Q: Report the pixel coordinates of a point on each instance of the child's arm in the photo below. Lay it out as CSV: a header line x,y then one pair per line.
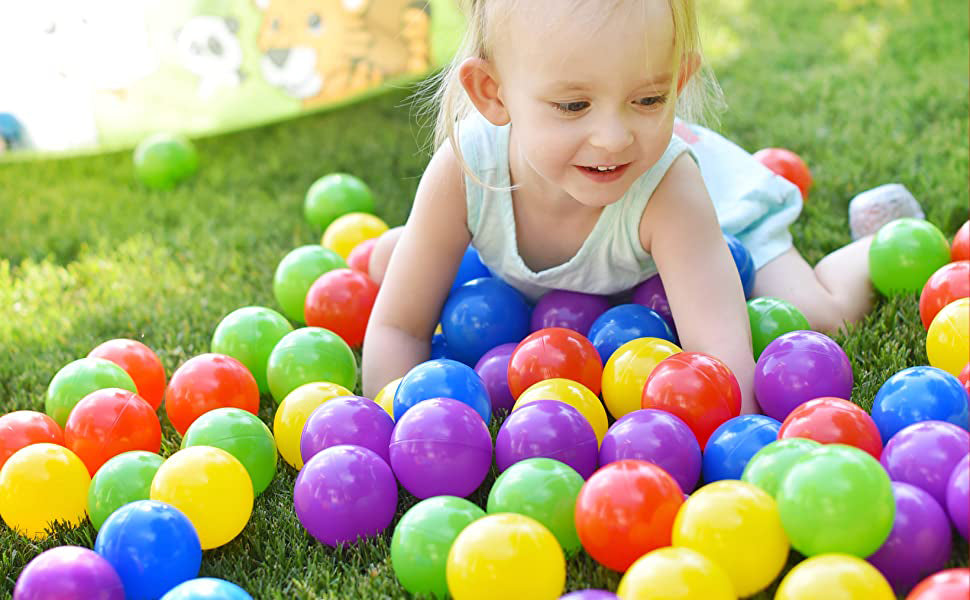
x,y
680,230
420,273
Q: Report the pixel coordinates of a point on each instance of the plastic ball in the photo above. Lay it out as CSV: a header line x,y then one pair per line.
x,y
572,393
628,369
439,347
919,543
571,310
296,273
349,420
211,487
207,382
42,483
958,496
344,493
695,387
493,368
734,443
441,447
505,556
918,394
152,545
768,467
349,230
625,510
68,573
554,353
422,539
833,421
164,159
471,267
835,577
309,355
207,588
385,397
964,377
293,413
787,164
657,437
359,257
744,263
904,254
771,318
950,282
249,335
924,454
442,378
948,338
107,422
675,574
482,314
651,293
951,584
797,367
78,379
625,323
141,364
242,435
836,499
589,595
551,429
22,428
124,478
960,249
341,301
334,195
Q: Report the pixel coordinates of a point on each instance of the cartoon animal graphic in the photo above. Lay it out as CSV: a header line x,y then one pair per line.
x,y
209,48
323,50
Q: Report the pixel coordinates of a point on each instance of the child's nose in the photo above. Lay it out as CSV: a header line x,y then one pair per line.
x,y
611,134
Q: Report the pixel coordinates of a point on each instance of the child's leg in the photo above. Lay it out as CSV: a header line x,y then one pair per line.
x,y
381,254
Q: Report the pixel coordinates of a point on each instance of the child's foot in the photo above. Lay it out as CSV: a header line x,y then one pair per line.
x,y
873,208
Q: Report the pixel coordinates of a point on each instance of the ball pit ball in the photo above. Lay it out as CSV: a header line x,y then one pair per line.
x,y
734,443
348,420
958,496
22,428
657,437
551,429
768,467
797,367
505,556
625,510
675,573
249,335
344,493
308,355
296,272
904,254
743,262
960,249
78,379
589,595
950,282
925,454
164,159
787,164
107,422
918,394
572,393
152,545
833,421
651,293
554,353
294,411
818,576
948,338
141,364
493,368
207,588
385,397
441,447
625,323
42,483
242,435
124,478
629,368
68,573
442,378
348,231
951,584
964,377
334,195
770,318
471,267
206,382
359,257
482,314
439,347
571,310
341,300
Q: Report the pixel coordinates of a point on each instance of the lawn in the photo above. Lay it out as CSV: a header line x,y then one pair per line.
x,y
867,92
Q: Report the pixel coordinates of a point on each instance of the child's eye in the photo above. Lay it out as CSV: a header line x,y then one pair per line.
x,y
652,100
571,107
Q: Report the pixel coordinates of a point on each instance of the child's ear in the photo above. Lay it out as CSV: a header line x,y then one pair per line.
x,y
480,81
688,68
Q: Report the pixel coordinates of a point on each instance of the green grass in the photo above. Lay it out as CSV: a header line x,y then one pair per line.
x,y
867,92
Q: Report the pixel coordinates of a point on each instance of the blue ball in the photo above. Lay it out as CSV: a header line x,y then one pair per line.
x,y
152,545
442,378
743,261
733,444
626,322
482,314
919,394
207,588
471,268
439,346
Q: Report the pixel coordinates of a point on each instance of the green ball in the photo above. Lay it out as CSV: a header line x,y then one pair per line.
x,y
770,318
124,478
249,334
768,466
836,498
422,539
297,272
904,254
164,159
78,379
334,195
308,355
241,434
544,489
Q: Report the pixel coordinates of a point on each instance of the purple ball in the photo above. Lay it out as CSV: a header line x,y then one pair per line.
x,y
919,543
924,454
348,420
651,294
797,367
958,496
344,493
493,368
69,573
550,429
441,447
658,437
590,595
572,310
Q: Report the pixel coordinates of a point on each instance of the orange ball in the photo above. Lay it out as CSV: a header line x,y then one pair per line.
x,y
960,249
552,353
141,364
107,422
787,164
207,382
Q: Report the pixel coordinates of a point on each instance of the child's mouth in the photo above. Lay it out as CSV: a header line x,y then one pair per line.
x,y
604,173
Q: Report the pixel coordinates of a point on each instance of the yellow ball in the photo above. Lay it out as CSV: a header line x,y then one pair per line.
x,y
505,555
736,525
348,230
292,415
675,574
948,338
834,577
42,483
572,393
385,397
627,370
211,487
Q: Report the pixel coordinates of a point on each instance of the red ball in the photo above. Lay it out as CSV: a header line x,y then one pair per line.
x,y
833,421
140,363
25,427
960,250
951,584
207,382
625,510
341,300
110,421
696,387
964,378
554,352
359,257
787,164
950,282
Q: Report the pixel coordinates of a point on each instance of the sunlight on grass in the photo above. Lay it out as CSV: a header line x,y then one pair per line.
x,y
851,5
721,34
864,39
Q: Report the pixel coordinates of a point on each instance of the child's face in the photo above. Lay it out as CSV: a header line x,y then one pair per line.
x,y
586,89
